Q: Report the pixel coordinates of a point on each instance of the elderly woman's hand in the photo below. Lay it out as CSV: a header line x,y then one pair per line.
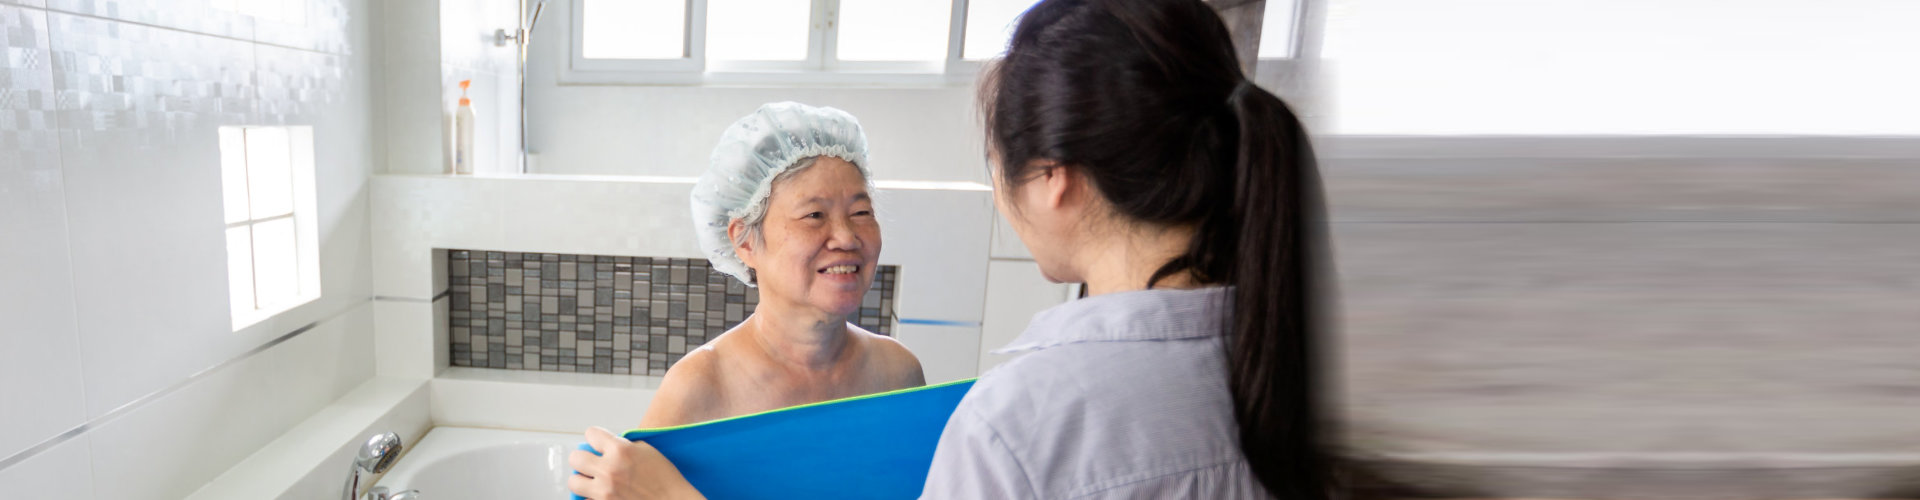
x,y
625,470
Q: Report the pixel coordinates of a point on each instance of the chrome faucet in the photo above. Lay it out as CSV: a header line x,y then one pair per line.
x,y
375,457
381,493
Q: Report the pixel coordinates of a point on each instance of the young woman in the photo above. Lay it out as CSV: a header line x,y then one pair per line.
x,y
1131,154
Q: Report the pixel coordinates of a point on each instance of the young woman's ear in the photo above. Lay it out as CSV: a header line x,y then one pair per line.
x,y
1057,185
742,242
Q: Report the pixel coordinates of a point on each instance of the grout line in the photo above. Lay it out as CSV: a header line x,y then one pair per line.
x,y
141,401
385,298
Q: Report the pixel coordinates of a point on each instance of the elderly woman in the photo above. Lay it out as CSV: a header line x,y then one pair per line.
x,y
786,206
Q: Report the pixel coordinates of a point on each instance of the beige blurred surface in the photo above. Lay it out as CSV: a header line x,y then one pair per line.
x,y
1634,328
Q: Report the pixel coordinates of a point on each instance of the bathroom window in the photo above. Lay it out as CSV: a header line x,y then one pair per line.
x,y
785,41
267,186
1280,29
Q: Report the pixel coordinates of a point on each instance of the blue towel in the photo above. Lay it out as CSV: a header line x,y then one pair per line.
x,y
874,446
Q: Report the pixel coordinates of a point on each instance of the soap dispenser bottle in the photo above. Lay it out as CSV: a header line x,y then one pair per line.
x,y
463,133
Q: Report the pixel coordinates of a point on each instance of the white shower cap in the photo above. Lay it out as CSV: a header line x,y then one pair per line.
x,y
752,152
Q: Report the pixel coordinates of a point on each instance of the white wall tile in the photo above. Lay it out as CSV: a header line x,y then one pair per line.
x,y
1015,292
142,161
212,17
1006,241
543,401
913,134
409,343
947,353
413,109
226,415
940,240
316,25
143,197
40,389
62,472
466,34
559,215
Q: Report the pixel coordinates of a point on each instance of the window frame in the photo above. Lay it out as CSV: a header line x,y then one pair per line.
x,y
821,67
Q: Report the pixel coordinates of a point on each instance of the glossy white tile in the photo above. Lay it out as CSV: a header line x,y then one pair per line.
x,y
1006,241
139,111
413,113
40,389
226,415
946,353
1015,292
225,18
298,87
940,239
544,401
407,343
467,34
315,25
64,471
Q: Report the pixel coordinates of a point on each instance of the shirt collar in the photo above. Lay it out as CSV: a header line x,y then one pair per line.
x,y
1142,315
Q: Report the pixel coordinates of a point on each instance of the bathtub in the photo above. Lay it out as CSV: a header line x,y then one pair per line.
x,y
453,463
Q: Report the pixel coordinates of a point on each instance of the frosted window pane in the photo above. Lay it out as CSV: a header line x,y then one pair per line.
x,y
269,171
1276,29
240,269
276,263
894,30
233,173
633,29
989,24
758,30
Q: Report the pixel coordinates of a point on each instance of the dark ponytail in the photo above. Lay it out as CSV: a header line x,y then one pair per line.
x,y
1148,99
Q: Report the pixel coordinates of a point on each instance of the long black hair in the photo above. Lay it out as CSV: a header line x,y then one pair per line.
x,y
1147,98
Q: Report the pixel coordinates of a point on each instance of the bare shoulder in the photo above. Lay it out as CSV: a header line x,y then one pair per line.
x,y
689,393
900,366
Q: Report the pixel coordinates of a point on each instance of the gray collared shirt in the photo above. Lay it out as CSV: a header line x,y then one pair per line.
x,y
1122,395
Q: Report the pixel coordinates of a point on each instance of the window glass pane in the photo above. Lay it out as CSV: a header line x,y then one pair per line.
x,y
240,268
1655,67
894,30
758,30
269,171
989,24
275,263
233,173
1276,29
633,29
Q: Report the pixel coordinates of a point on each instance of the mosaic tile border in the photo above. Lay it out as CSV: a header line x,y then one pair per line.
x,y
603,314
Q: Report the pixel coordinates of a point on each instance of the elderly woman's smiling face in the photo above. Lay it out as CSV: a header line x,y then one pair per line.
x,y
819,241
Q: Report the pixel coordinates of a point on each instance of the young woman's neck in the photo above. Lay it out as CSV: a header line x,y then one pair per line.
x,y
798,338
1123,260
